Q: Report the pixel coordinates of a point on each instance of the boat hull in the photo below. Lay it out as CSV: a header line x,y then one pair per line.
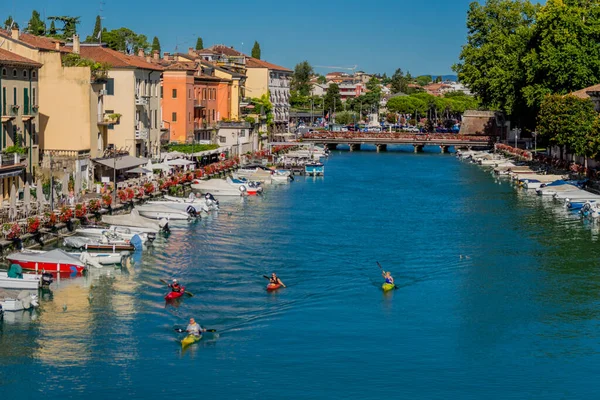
x,y
51,267
189,340
175,295
387,287
29,282
273,286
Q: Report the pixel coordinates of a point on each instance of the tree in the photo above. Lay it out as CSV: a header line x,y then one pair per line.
x,y
69,28
423,80
569,122
125,40
345,117
52,30
301,78
438,79
95,36
332,100
256,50
199,44
321,80
36,26
399,82
156,45
10,23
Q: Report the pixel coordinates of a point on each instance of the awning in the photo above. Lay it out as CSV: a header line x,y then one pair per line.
x,y
122,162
10,174
210,152
138,170
179,161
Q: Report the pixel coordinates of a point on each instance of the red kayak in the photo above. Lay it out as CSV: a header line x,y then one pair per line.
x,y
273,286
175,295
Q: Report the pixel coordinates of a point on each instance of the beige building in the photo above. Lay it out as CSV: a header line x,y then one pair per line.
x,y
264,77
18,111
71,126
132,91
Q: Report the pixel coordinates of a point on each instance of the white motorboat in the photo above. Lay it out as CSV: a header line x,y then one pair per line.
x,y
158,211
24,301
136,223
224,187
207,204
96,259
276,178
576,195
113,233
26,281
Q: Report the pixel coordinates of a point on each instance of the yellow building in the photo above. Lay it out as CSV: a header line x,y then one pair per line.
x,y
72,127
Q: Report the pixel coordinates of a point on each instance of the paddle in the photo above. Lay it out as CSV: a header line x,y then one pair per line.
x,y
186,292
381,268
183,330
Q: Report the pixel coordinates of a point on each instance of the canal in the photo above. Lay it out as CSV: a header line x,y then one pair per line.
x,y
498,297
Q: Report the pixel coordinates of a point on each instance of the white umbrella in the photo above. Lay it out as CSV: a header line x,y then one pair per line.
x,y
39,193
12,214
65,184
77,184
27,198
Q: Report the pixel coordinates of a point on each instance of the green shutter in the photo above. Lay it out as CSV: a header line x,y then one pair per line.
x,y
25,101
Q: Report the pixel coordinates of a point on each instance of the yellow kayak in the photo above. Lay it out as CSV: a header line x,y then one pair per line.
x,y
190,339
388,286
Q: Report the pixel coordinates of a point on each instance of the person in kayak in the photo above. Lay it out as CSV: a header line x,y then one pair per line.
x,y
388,277
194,329
275,280
175,286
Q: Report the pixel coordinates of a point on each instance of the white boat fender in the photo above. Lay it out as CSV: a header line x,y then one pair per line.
x,y
192,212
243,188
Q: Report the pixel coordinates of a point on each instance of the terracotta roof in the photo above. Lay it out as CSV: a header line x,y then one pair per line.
x,y
211,78
38,42
182,66
6,57
582,94
222,49
117,59
256,63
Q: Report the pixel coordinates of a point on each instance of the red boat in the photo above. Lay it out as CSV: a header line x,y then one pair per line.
x,y
175,295
273,286
54,261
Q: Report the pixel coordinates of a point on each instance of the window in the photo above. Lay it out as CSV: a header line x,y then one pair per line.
x,y
214,94
15,96
174,117
33,74
243,133
110,86
190,117
190,95
213,118
25,101
161,92
33,97
174,93
4,101
222,139
24,73
14,73
156,118
3,71
203,94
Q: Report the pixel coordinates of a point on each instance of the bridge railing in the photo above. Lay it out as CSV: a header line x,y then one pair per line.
x,y
395,136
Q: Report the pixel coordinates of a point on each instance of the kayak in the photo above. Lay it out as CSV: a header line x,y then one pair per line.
x,y
273,286
189,339
387,287
175,295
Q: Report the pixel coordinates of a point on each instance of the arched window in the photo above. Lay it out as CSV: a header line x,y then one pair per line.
x,y
3,71
33,74
14,73
24,73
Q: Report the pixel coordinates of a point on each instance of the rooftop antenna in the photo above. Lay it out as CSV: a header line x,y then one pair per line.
x,y
100,11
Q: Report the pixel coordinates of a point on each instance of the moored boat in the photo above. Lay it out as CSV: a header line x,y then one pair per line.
x,y
26,281
56,260
136,223
159,211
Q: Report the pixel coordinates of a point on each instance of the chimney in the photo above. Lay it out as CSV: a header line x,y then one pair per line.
x,y
191,51
141,53
148,59
166,55
15,33
156,55
57,46
76,44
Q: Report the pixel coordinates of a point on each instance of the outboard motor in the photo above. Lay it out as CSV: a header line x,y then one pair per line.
x,y
1,313
164,224
243,190
151,237
47,279
192,212
209,196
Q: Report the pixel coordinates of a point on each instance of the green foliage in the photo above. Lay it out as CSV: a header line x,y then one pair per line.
x,y
256,50
571,122
10,23
399,82
346,117
332,100
321,80
36,26
423,80
52,30
16,149
452,105
264,107
156,45
191,148
301,78
93,38
125,40
98,70
199,44
69,25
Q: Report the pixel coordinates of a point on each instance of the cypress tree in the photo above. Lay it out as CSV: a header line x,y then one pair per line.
x,y
199,44
156,45
256,50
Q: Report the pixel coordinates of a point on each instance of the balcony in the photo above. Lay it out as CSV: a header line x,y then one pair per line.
x,y
234,124
29,113
199,103
109,119
141,134
244,101
200,126
11,111
141,101
11,160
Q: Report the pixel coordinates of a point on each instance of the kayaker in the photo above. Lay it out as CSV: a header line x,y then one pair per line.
x,y
275,280
194,329
388,277
175,286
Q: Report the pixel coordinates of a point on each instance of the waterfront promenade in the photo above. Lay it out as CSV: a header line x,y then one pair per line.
x,y
382,140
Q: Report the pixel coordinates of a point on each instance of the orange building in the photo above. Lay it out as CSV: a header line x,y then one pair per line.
x,y
193,102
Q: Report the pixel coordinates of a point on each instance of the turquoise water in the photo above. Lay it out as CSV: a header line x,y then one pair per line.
x,y
517,316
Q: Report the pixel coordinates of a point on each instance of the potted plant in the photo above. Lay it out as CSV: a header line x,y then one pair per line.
x,y
107,200
11,231
66,214
113,118
50,220
130,193
149,188
94,205
33,224
80,211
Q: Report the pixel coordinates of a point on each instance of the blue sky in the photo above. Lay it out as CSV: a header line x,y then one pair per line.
x,y
378,36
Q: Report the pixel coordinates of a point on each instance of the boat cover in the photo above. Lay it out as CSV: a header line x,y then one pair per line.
x,y
54,256
134,219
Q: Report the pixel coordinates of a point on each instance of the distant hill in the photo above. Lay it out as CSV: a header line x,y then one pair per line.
x,y
453,78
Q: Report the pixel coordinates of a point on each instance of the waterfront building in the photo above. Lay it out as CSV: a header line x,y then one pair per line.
x,y
19,113
349,90
263,77
131,90
70,130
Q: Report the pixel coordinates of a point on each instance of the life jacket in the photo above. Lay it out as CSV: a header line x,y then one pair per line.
x,y
274,281
176,287
388,280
